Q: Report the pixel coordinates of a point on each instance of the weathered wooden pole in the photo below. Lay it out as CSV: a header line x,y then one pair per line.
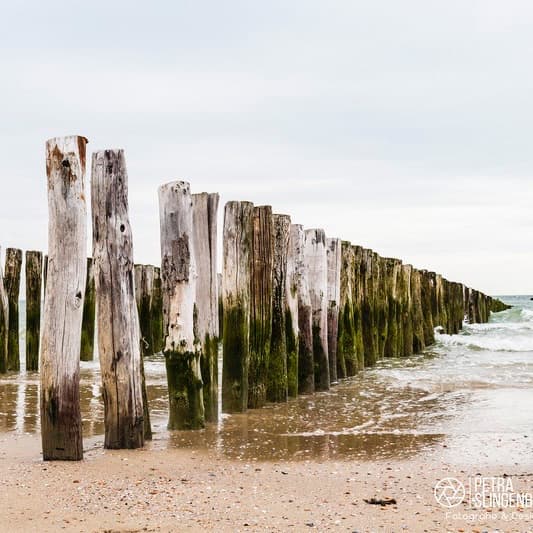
x,y
144,281
260,305
334,255
291,315
178,274
89,315
417,313
429,336
34,273
61,428
393,343
406,310
346,343
12,286
236,277
143,275
316,257
306,371
382,305
277,386
4,323
205,209
357,298
118,323
368,308
156,312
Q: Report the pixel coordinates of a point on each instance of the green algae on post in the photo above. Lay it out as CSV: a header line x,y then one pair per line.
x,y
260,305
236,277
277,386
34,273
334,259
89,315
12,286
178,274
291,314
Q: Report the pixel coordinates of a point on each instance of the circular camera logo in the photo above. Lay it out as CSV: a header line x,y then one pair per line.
x,y
449,492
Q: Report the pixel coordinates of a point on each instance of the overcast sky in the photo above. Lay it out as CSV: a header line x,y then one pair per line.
x,y
404,126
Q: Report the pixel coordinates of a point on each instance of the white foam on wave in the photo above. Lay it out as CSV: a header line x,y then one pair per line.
x,y
496,343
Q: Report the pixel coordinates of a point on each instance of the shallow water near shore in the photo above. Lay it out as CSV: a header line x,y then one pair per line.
x,y
467,399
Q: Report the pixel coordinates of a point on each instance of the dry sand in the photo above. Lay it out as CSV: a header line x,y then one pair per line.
x,y
158,489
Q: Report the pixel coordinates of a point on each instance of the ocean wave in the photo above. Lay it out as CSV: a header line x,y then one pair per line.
x,y
495,343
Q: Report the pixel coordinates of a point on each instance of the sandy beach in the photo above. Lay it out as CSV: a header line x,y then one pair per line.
x,y
158,489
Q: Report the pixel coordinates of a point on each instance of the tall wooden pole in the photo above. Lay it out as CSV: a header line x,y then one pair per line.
x,y
277,386
144,281
291,314
61,428
260,305
12,286
34,273
205,208
4,323
118,323
306,372
156,312
178,274
334,255
89,315
316,257
346,337
236,277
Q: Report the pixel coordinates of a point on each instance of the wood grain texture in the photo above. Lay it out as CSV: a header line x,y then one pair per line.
x,y
236,277
88,325
260,305
118,322
61,429
4,322
12,285
277,385
205,209
34,273
291,313
334,255
178,275
316,259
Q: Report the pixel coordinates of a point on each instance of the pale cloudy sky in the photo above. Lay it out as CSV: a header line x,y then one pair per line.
x,y
404,126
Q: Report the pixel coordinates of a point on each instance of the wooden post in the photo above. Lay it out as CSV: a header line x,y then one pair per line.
x,y
316,257
144,281
260,305
291,314
382,305
89,315
358,298
368,309
406,304
306,372
45,273
12,286
205,208
4,323
156,312
143,302
277,387
417,313
34,272
118,323
178,274
334,255
346,345
61,428
236,278
220,307
429,336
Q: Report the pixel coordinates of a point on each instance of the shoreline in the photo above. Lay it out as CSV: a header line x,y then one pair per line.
x,y
173,489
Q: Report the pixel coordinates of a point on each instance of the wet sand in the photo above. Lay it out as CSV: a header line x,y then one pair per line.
x,y
171,489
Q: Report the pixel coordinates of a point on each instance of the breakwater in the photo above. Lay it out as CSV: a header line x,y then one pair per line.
x,y
298,310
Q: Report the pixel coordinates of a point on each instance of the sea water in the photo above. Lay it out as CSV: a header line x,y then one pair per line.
x,y
467,399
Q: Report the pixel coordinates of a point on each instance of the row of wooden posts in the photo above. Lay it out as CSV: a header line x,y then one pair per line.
x,y
148,297
297,311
